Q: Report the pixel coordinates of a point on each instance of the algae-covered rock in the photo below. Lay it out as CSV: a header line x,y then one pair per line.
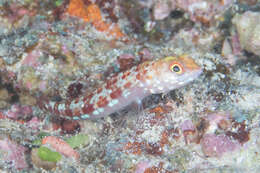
x,y
38,162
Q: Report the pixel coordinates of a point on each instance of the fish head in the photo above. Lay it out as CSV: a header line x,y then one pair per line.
x,y
172,72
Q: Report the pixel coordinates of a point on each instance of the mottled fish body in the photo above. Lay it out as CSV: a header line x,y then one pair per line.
x,y
150,77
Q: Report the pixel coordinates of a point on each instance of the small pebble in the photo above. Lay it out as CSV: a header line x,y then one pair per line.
x,y
4,94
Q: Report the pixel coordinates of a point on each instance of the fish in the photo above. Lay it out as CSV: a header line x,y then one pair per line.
x,y
133,85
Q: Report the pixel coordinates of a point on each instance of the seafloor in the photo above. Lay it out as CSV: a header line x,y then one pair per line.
x,y
63,49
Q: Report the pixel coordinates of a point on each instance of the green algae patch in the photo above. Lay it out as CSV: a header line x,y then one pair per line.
x,y
46,154
78,140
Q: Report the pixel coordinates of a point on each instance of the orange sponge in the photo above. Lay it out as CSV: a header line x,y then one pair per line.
x,y
92,13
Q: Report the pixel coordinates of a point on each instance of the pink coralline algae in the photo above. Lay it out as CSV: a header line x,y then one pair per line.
x,y
217,145
145,54
222,135
161,11
188,130
231,50
219,120
18,111
14,154
142,166
237,50
34,123
17,12
187,125
32,59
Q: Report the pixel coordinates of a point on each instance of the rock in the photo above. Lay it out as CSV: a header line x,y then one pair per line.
x,y
14,154
161,10
215,146
248,28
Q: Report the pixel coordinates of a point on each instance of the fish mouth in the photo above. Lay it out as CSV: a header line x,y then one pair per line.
x,y
195,74
198,72
190,76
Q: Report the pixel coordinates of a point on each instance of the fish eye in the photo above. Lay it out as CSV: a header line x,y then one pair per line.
x,y
177,68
